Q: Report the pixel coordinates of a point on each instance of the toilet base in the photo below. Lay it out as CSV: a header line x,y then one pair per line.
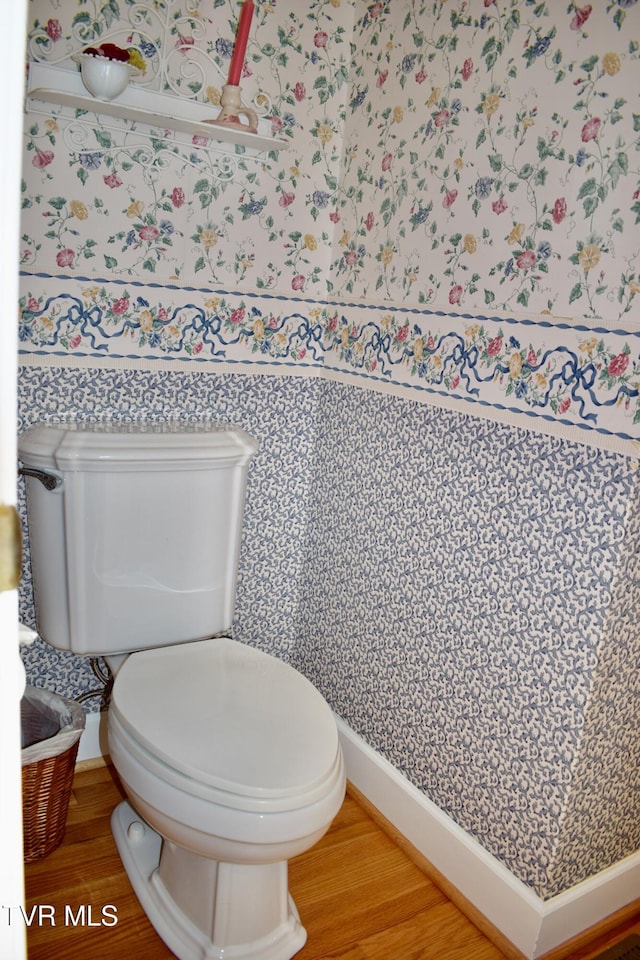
x,y
204,909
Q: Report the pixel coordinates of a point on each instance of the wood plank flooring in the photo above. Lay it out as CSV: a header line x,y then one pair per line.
x,y
360,897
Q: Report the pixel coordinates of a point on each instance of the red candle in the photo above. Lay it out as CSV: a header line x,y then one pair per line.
x,y
240,48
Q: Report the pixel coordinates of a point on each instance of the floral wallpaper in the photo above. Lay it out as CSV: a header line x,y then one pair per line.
x,y
489,157
581,377
456,210
498,138
145,206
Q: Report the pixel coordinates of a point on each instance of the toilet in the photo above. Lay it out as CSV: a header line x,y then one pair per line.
x,y
229,757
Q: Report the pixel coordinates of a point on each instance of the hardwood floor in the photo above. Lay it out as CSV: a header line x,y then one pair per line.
x,y
360,897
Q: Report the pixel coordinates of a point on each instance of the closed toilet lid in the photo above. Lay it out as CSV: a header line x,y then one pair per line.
x,y
227,715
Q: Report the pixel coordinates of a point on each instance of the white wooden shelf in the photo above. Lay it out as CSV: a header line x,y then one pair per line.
x,y
63,87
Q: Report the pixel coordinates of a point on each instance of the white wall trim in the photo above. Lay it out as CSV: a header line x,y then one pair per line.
x,y
93,742
533,926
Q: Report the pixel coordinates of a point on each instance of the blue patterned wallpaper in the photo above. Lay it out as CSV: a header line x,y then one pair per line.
x,y
608,765
469,608
280,481
462,592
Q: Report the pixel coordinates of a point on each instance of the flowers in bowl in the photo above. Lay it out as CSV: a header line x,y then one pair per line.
x,y
107,69
112,51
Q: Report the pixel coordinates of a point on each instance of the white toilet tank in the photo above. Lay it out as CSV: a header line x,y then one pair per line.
x,y
137,546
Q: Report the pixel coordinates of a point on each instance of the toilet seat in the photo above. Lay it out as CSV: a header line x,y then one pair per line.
x,y
229,723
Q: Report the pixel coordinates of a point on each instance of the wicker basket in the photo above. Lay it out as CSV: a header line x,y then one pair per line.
x,y
51,730
46,791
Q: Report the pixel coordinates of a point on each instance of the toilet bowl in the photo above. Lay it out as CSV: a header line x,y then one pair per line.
x,y
230,758
233,758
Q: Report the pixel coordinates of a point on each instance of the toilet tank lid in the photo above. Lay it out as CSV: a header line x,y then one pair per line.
x,y
119,446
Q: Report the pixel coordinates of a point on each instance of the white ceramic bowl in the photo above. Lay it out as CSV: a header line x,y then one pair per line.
x,y
104,79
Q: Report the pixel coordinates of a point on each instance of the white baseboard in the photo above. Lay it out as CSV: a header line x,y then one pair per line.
x,y
93,742
532,925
